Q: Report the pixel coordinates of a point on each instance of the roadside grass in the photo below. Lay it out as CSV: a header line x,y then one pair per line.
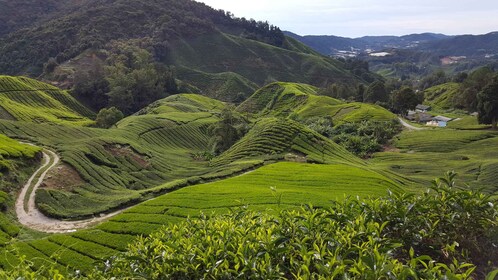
x,y
467,122
15,162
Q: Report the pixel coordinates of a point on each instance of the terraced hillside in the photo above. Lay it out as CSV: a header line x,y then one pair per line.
x,y
153,151
286,99
425,154
281,185
15,165
25,99
441,96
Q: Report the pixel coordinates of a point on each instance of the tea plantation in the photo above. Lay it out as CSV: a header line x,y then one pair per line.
x,y
149,165
25,99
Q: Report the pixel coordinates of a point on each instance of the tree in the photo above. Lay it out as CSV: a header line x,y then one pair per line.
x,y
228,130
90,85
404,99
135,80
487,103
475,82
360,93
50,66
376,92
108,117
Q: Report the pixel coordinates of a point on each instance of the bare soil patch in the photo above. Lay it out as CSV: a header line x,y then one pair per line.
x,y
62,177
126,151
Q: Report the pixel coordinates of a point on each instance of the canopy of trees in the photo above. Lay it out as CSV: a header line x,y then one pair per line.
x,y
376,92
488,103
404,99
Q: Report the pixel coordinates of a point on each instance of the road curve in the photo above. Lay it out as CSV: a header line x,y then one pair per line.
x,y
33,218
409,126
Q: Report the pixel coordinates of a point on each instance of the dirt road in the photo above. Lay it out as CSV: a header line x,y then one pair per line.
x,y
31,217
409,126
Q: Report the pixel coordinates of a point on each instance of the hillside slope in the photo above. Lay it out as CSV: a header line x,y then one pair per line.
x,y
186,34
153,152
25,99
302,101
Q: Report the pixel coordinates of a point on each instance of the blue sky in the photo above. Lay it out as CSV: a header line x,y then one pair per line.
x,y
355,18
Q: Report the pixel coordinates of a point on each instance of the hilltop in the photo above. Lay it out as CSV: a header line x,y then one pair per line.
x,y
303,101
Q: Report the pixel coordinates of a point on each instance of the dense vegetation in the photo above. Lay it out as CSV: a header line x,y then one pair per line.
x,y
443,233
208,47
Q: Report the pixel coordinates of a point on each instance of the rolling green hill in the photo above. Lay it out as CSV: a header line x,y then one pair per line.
x,y
441,96
187,34
25,99
153,152
301,100
424,154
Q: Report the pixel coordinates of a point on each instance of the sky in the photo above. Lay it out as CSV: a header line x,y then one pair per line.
x,y
356,18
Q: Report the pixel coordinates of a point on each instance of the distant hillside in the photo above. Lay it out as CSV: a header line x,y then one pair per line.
x,y
465,45
25,99
330,45
187,34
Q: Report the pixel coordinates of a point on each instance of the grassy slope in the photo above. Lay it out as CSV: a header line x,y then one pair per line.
x,y
26,99
151,153
225,86
284,99
15,161
295,184
427,154
441,96
255,61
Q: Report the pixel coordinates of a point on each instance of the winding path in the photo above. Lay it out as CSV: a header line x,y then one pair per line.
x,y
409,126
31,217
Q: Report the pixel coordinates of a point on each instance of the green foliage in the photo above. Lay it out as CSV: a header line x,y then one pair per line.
x,y
376,92
366,137
487,105
228,130
475,83
90,85
397,236
300,101
404,99
134,79
436,78
106,118
442,96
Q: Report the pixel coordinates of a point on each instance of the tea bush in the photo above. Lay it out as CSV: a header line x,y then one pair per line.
x,y
445,233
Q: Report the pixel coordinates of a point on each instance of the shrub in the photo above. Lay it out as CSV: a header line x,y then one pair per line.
x,y
108,117
441,234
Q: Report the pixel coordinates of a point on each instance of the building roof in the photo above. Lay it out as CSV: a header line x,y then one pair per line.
x,y
423,107
442,119
424,117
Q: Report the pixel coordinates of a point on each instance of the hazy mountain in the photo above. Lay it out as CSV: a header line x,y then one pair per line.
x,y
437,44
329,45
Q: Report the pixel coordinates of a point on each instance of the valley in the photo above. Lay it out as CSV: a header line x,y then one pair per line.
x,y
166,139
